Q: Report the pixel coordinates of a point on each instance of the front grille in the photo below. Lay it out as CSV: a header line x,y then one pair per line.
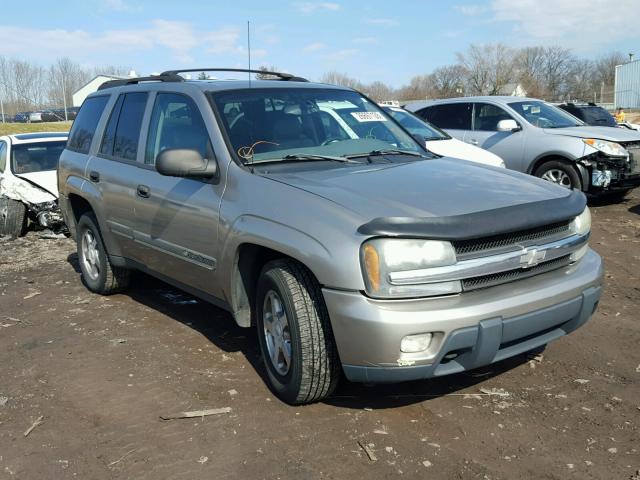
x,y
513,275
488,245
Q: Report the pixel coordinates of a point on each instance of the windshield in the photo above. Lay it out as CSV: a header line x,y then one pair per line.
x,y
271,124
414,125
543,115
36,157
598,116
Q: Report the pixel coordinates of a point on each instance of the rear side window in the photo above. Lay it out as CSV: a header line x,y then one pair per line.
x,y
3,156
176,123
122,134
85,124
453,116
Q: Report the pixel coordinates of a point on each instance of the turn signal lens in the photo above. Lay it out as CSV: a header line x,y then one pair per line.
x,y
372,264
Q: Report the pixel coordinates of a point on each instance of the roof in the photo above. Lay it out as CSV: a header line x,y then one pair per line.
x,y
500,99
233,84
38,137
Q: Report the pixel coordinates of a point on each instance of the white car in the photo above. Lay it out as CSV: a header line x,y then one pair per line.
x,y
28,181
440,142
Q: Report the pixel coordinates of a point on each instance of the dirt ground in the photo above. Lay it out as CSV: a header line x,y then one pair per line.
x,y
100,371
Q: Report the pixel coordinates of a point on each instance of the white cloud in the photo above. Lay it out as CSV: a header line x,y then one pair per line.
x,y
180,39
340,55
471,10
313,47
579,24
366,40
384,22
120,6
311,7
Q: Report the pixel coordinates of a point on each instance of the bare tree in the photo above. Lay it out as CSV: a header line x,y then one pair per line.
x,y
557,68
580,85
489,67
266,76
379,91
337,78
449,81
420,87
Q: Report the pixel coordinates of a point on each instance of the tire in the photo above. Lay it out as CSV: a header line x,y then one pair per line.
x,y
98,274
313,369
13,218
559,172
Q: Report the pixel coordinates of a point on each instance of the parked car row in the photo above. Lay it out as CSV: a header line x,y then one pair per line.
x,y
48,115
328,223
538,138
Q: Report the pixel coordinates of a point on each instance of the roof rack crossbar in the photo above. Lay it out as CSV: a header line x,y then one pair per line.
x,y
281,75
153,78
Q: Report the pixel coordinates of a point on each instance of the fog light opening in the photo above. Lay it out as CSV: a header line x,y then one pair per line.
x,y
415,343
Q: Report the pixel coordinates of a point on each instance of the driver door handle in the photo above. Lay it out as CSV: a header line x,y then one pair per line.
x,y
143,191
473,142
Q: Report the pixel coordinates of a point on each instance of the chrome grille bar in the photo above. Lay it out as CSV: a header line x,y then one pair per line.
x,y
523,258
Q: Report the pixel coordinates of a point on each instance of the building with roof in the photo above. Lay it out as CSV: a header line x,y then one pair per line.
x,y
627,85
92,86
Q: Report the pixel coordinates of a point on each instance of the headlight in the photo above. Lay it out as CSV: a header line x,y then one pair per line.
x,y
581,225
608,148
390,266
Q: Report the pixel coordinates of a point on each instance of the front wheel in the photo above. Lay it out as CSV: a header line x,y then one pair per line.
x,y
560,173
295,334
13,217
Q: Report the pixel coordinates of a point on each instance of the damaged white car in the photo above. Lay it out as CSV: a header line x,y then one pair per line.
x,y
28,182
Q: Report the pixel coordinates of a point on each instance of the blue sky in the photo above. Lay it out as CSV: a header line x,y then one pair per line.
x,y
368,39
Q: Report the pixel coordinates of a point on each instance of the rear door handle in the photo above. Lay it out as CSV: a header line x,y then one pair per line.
x,y
143,191
94,176
473,142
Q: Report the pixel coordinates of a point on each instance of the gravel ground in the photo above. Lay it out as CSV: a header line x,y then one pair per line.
x,y
92,375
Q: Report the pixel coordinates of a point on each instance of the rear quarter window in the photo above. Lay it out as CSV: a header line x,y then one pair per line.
x,y
85,124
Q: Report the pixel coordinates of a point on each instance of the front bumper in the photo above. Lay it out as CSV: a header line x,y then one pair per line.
x,y
477,328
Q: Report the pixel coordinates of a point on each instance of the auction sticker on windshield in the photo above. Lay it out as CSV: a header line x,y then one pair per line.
x,y
369,116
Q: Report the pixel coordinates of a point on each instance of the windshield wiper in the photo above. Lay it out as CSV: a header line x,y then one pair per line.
x,y
382,153
304,157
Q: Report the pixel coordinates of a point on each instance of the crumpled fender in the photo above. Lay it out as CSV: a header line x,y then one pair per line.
x,y
23,191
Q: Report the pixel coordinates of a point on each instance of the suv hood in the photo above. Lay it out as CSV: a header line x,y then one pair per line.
x,y
611,134
429,188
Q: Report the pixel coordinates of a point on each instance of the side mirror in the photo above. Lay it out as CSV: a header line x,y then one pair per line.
x,y
508,125
185,162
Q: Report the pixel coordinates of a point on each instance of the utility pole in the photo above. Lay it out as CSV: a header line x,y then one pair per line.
x,y
2,110
64,99
601,91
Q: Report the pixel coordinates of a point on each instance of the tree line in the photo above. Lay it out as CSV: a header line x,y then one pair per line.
x,y
553,73
27,86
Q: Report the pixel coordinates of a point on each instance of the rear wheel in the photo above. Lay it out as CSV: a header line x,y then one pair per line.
x,y
13,218
559,172
295,334
97,272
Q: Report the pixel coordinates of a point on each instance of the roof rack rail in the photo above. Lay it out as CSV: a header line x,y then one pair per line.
x,y
153,78
281,76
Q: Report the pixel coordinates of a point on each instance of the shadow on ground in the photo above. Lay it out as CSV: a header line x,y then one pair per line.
x,y
218,326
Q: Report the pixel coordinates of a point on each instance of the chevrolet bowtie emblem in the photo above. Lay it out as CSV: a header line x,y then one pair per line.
x,y
532,257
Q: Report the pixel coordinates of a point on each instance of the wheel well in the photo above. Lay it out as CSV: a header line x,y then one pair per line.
x,y
79,206
250,260
548,158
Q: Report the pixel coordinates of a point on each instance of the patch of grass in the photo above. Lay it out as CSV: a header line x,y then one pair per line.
x,y
12,128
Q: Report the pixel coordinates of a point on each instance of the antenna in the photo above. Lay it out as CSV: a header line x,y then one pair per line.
x,y
249,48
